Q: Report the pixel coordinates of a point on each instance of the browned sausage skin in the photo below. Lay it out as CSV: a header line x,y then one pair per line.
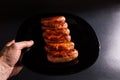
x,y
59,46
56,34
53,19
58,57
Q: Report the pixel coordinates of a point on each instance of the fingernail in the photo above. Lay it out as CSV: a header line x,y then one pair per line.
x,y
32,41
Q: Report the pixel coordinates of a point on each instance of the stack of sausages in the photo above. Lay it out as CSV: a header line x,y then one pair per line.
x,y
56,34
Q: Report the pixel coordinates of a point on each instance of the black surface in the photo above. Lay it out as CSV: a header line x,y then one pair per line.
x,y
82,35
102,15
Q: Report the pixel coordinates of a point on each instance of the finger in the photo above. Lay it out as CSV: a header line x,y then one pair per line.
x,y
22,44
10,43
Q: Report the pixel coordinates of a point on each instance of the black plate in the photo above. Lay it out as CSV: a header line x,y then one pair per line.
x,y
82,35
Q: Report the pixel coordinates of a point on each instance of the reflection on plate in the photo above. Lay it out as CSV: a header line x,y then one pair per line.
x,y
82,35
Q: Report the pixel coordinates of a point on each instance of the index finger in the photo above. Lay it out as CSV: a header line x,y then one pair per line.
x,y
23,44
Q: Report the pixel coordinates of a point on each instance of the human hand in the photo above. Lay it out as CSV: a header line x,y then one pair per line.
x,y
10,55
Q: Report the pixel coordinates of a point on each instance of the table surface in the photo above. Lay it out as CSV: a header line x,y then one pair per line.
x,y
103,16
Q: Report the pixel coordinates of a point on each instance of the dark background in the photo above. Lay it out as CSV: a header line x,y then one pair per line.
x,y
102,15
